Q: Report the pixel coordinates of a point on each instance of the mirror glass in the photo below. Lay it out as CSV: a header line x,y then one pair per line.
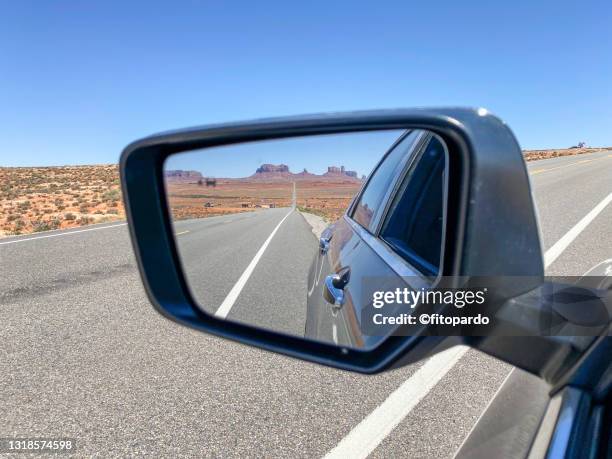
x,y
296,234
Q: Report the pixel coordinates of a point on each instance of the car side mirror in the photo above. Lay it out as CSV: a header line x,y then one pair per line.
x,y
486,220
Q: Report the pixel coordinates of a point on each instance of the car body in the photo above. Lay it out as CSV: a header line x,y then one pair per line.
x,y
373,241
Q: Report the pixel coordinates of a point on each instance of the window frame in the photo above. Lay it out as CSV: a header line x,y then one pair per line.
x,y
400,265
377,217
414,163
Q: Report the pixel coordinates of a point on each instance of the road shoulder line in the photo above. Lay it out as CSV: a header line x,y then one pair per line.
x,y
67,233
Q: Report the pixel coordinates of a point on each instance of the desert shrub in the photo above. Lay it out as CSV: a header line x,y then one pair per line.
x,y
112,211
98,212
85,220
58,201
69,216
111,195
42,225
12,217
83,208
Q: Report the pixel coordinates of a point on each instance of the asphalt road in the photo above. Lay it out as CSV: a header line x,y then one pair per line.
x,y
215,252
84,355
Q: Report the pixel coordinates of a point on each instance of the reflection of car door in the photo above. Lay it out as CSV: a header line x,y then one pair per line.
x,y
404,248
387,242
341,246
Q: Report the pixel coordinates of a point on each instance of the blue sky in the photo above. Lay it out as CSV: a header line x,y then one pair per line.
x,y
80,80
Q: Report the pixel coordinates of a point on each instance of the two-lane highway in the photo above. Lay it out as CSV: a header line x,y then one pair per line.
x,y
84,355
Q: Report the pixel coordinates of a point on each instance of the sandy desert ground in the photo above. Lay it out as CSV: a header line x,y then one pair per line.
x,y
34,199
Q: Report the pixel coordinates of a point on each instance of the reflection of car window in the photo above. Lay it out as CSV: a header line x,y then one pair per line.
x,y
371,200
414,225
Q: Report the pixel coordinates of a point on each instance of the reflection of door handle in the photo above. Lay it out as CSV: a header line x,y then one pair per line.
x,y
333,292
324,244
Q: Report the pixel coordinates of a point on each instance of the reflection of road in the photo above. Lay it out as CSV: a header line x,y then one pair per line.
x,y
216,252
105,368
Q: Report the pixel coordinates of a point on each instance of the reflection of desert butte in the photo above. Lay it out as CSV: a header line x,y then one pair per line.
x,y
193,195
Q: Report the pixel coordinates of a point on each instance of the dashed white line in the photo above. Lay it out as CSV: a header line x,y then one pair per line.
x,y
61,234
232,296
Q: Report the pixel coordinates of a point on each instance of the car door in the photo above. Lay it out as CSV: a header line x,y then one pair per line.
x,y
366,242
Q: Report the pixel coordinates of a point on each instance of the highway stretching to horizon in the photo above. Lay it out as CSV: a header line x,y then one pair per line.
x,y
85,356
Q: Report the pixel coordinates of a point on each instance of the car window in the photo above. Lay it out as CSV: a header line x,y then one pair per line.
x,y
372,200
414,224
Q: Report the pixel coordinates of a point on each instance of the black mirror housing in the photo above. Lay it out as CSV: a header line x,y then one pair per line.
x,y
484,236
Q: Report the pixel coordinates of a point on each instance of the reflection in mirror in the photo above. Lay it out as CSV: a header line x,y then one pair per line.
x,y
282,234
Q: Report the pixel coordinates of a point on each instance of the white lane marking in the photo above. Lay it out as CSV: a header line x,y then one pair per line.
x,y
366,436
232,296
182,232
557,249
62,234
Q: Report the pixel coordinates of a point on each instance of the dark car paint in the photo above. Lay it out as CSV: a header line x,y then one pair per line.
x,y
348,249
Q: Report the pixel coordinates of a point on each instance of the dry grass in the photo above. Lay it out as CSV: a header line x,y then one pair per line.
x,y
34,199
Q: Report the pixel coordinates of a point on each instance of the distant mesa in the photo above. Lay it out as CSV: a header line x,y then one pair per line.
x,y
272,168
264,172
334,171
281,171
182,175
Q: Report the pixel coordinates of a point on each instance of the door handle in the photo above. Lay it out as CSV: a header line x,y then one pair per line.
x,y
324,244
333,292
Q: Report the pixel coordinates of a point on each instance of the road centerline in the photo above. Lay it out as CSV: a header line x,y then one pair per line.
x,y
575,163
232,296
